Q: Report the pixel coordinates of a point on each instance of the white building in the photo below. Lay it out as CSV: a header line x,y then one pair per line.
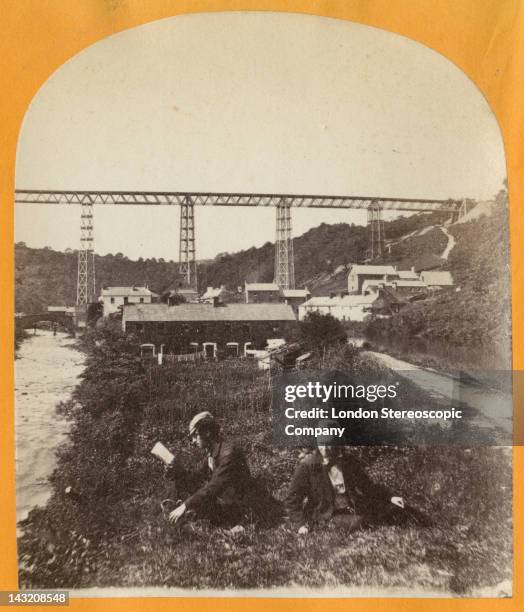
x,y
344,308
360,273
113,298
212,293
436,279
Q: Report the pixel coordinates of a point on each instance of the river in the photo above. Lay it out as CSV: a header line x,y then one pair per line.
x,y
46,372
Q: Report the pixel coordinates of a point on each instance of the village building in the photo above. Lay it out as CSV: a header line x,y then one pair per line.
x,y
213,293
221,328
344,308
262,293
190,295
113,298
408,274
402,287
62,309
362,272
437,279
387,303
180,294
295,297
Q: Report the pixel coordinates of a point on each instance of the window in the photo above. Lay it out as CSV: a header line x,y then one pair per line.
x,y
112,300
141,300
126,300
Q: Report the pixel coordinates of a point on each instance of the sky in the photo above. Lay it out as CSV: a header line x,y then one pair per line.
x,y
248,102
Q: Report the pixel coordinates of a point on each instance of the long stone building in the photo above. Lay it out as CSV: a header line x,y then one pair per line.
x,y
187,327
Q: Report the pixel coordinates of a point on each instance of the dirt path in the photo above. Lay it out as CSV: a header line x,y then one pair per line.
x,y
46,372
494,408
451,242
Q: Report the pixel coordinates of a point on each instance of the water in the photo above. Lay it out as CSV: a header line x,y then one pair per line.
x,y
46,373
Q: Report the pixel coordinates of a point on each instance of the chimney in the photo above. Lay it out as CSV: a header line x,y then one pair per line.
x,y
216,302
331,294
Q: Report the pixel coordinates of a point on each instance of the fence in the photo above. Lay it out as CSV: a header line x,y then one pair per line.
x,y
172,358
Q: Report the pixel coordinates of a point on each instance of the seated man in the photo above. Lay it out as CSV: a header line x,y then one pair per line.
x,y
228,493
329,485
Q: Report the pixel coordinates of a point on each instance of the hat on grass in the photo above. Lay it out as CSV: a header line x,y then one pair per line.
x,y
199,419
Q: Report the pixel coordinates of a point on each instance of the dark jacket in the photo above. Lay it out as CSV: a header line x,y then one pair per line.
x,y
311,496
230,481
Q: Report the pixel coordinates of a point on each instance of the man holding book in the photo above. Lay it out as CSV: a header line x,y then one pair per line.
x,y
228,493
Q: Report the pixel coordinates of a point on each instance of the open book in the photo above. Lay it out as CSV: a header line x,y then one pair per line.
x,y
160,451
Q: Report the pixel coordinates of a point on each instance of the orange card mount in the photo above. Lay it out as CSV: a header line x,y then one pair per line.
x,y
46,43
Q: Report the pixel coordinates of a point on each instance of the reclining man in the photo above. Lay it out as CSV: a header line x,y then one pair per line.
x,y
328,485
229,495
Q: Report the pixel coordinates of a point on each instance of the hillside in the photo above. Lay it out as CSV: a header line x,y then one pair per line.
x,y
323,253
45,277
473,321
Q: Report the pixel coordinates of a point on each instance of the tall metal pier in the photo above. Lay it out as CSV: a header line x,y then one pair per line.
x,y
86,281
187,268
284,257
377,236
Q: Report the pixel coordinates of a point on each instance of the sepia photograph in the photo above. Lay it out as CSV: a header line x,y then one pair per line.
x,y
262,318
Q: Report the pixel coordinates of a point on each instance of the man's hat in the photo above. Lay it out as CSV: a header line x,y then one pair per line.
x,y
199,418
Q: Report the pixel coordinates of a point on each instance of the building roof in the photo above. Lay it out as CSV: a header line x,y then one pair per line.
x,y
345,300
407,275
208,312
187,291
262,287
371,269
296,293
437,277
410,283
126,291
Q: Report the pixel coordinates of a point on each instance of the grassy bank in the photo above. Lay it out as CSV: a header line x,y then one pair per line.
x,y
111,532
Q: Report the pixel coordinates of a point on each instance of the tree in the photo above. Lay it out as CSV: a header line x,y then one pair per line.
x,y
321,330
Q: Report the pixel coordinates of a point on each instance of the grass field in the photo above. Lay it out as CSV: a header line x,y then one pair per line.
x,y
112,532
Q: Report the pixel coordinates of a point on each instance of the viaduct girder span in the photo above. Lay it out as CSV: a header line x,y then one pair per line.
x,y
283,203
140,198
